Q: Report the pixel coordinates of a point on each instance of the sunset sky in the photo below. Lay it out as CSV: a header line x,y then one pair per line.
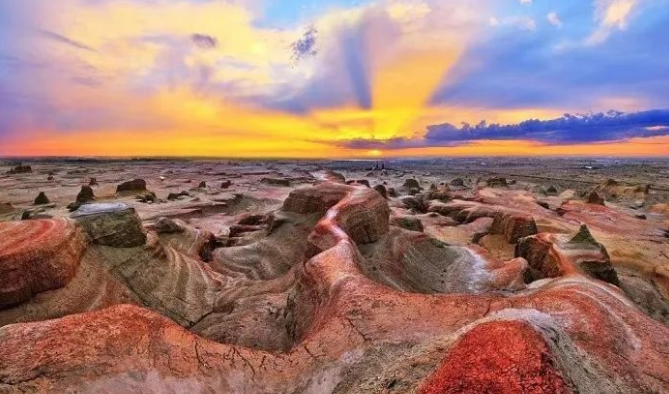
x,y
334,78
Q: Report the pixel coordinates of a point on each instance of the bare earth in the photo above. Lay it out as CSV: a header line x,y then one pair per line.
x,y
482,275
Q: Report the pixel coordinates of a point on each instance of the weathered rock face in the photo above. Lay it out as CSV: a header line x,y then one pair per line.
x,y
36,256
513,226
135,185
115,225
552,255
93,182
42,199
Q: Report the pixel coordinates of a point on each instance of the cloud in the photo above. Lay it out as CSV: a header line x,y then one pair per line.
x,y
305,46
611,15
554,19
568,129
204,41
65,40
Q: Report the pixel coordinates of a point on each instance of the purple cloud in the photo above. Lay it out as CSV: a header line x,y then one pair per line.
x,y
568,129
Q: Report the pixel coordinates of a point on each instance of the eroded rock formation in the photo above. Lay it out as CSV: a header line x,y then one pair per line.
x,y
327,294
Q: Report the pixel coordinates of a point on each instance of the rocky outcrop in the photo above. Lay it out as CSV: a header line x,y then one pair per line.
x,y
513,226
555,255
382,191
85,195
42,199
136,185
611,190
594,198
317,199
36,256
116,225
20,169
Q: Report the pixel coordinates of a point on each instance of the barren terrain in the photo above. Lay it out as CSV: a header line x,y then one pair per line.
x,y
476,275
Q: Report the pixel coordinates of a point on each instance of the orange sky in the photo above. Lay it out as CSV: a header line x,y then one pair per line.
x,y
122,77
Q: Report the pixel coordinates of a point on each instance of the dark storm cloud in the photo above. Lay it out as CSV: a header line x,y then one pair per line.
x,y
204,41
568,129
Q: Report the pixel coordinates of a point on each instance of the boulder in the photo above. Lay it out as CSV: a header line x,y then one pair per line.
x,y
93,182
202,185
226,184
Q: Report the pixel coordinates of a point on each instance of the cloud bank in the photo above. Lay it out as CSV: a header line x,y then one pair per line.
x,y
568,129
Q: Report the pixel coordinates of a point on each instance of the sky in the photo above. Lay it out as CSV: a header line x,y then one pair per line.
x,y
334,78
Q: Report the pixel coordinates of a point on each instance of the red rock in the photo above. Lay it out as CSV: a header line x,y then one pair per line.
x,y
36,256
498,357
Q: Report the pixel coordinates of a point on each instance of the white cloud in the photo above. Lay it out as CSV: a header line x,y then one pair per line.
x,y
554,19
611,15
525,1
